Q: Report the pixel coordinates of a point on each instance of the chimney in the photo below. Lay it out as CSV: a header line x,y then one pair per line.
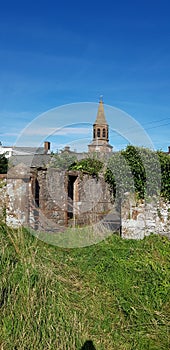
x,y
66,149
46,147
169,150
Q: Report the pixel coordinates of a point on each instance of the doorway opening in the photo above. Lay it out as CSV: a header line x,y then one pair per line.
x,y
35,200
71,195
37,193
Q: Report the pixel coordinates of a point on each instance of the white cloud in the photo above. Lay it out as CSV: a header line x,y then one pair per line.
x,y
9,134
45,131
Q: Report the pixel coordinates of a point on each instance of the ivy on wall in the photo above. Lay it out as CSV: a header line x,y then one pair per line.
x,y
145,168
135,169
119,176
141,169
164,160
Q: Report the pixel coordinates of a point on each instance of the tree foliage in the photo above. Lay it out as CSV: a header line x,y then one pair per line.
x,y
90,165
118,175
146,171
134,169
164,160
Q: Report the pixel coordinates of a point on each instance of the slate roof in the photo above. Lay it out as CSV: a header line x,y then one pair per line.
x,y
33,161
27,150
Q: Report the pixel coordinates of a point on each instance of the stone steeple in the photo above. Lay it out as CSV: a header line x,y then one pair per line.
x,y
100,119
100,141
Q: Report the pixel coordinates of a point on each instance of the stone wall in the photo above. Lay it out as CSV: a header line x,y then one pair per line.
x,y
92,200
51,209
47,199
17,196
69,199
2,195
140,218
95,198
50,200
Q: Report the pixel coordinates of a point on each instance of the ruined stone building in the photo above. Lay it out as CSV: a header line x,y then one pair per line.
x,y
45,198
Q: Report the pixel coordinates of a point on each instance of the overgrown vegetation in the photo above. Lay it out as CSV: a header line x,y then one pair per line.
x,y
145,168
3,164
119,176
89,165
115,293
164,160
130,170
141,170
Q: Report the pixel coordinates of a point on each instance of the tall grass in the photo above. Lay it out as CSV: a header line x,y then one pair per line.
x,y
115,293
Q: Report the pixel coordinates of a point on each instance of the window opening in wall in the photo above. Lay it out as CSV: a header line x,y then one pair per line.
x,y
104,132
98,132
94,133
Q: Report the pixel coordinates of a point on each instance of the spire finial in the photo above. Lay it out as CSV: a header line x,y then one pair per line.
x,y
101,98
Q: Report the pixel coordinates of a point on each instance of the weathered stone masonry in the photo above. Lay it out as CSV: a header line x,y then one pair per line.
x,y
47,199
2,194
140,218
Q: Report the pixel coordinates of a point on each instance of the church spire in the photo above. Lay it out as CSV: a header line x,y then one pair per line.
x,y
100,119
100,132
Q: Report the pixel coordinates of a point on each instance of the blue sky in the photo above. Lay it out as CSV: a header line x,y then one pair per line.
x,y
54,53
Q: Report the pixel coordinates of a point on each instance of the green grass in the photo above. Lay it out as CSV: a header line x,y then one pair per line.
x,y
115,293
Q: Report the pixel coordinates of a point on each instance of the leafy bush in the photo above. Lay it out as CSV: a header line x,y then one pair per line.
x,y
134,169
89,165
145,168
118,175
164,160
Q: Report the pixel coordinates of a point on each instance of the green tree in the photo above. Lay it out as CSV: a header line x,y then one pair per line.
x,y
134,169
118,174
90,165
164,160
145,168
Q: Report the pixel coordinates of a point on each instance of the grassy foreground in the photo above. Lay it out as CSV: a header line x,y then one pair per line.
x,y
115,293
